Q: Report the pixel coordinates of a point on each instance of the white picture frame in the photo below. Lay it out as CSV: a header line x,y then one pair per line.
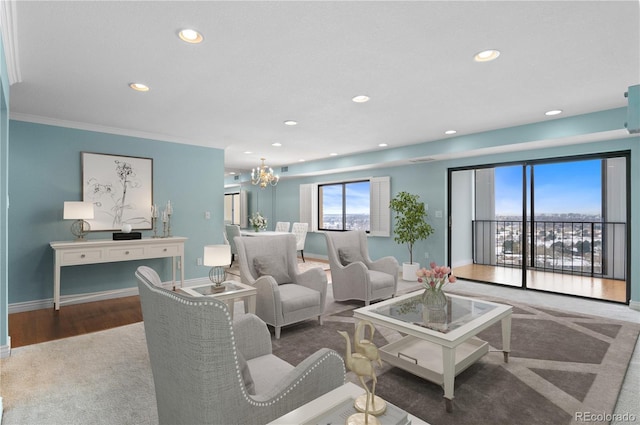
x,y
120,188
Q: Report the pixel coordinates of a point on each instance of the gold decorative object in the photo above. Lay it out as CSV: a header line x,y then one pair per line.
x,y
367,348
362,367
263,176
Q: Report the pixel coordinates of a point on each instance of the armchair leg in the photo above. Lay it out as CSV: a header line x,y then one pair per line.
x,y
277,328
302,253
320,319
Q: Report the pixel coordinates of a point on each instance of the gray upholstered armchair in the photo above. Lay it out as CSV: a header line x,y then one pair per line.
x,y
285,295
210,370
354,276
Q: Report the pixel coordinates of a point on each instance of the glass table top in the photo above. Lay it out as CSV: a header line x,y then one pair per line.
x,y
209,288
458,312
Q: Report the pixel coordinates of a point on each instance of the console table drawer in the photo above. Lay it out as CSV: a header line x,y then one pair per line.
x,y
163,250
79,257
126,253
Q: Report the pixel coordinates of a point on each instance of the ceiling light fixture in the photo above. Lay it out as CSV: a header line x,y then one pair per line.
x,y
361,99
553,112
263,176
139,87
450,132
486,55
290,122
382,145
276,144
190,36
333,154
247,152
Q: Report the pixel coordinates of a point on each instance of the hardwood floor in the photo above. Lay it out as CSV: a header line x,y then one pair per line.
x,y
584,286
32,327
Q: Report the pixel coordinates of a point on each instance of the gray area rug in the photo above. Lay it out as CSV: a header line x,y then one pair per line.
x,y
560,364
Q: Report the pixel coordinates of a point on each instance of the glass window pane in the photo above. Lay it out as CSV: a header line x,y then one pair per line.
x,y
331,206
357,206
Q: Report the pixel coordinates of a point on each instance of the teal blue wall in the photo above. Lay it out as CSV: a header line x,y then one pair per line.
x,y
46,171
429,180
4,191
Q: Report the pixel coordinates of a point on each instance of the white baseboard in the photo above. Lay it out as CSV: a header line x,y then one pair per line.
x,y
634,305
5,351
93,296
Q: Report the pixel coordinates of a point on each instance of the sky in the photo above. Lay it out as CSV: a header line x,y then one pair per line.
x,y
357,197
567,187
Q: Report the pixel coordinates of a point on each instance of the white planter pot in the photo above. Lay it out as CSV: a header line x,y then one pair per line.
x,y
409,271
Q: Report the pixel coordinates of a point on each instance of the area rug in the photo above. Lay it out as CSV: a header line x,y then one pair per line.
x,y
561,364
562,367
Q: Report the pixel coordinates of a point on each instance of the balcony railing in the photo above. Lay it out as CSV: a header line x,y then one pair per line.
x,y
588,248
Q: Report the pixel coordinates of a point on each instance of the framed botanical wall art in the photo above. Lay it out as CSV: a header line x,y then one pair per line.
x,y
121,189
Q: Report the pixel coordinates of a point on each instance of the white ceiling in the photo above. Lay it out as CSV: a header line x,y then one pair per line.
x,y
262,63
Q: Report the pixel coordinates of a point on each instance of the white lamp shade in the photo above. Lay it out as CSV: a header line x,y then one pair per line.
x,y
217,255
78,210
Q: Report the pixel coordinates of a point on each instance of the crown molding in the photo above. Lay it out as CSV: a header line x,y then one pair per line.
x,y
37,119
9,29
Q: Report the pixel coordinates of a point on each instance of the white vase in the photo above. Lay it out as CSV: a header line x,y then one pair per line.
x,y
409,271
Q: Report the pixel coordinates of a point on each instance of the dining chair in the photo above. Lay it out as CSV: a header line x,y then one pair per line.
x,y
282,226
300,230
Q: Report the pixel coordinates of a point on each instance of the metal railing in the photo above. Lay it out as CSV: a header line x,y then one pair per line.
x,y
588,248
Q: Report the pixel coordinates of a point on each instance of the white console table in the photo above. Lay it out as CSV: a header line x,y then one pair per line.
x,y
109,251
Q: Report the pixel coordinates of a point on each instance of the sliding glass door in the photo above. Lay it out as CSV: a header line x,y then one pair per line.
x,y
558,226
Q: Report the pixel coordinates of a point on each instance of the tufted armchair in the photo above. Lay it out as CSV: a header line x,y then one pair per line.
x,y
284,295
208,369
354,276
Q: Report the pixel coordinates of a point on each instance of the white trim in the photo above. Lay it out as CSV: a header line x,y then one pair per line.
x,y
94,296
634,305
9,28
16,116
5,351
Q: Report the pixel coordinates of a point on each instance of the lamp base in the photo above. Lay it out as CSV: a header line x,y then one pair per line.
x,y
217,288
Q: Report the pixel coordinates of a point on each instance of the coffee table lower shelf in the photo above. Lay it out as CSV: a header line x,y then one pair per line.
x,y
424,358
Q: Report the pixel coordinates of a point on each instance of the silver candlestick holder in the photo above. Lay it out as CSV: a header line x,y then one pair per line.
x,y
168,225
154,226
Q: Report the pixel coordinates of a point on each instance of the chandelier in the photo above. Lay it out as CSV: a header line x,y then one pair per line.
x,y
263,176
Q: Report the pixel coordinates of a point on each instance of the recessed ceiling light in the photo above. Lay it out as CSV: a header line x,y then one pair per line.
x,y
301,160
383,145
248,152
553,112
290,122
139,87
190,36
450,132
361,99
276,144
333,154
486,55
232,172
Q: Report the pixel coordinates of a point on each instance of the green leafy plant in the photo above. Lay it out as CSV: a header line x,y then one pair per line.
x,y
410,224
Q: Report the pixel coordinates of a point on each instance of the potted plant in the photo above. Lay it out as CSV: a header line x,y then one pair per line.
x,y
410,226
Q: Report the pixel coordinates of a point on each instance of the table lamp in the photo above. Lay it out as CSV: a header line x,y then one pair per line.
x,y
79,211
217,256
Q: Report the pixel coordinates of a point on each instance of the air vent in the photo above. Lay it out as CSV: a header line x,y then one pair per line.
x,y
284,169
236,177
421,160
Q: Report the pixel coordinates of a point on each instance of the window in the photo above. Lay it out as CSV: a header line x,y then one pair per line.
x,y
344,206
348,205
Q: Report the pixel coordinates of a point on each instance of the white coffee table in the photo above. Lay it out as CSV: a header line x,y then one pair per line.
x,y
307,412
438,355
233,292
